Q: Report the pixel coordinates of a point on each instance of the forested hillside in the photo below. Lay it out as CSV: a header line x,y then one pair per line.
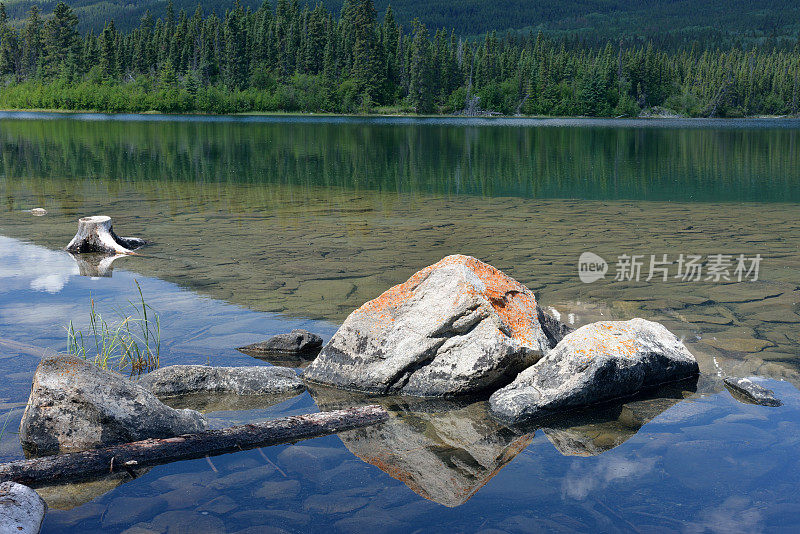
x,y
667,22
291,58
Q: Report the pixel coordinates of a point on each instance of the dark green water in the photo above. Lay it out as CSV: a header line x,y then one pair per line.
x,y
259,225
643,160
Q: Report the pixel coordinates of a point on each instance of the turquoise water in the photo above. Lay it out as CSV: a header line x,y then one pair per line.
x,y
263,224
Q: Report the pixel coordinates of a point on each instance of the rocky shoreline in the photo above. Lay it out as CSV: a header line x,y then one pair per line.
x,y
459,329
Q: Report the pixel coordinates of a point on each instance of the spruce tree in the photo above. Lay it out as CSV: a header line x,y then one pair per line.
x,y
9,46
421,72
108,51
32,43
61,42
366,64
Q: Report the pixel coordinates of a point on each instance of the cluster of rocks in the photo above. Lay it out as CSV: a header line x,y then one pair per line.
x,y
456,328
462,327
74,405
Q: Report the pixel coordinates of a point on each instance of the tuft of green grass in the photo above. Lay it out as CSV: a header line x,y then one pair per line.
x,y
131,343
5,425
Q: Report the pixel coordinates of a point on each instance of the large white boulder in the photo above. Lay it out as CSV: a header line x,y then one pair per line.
x,y
595,363
456,327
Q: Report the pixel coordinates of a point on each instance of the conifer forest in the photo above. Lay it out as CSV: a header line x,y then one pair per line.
x,y
290,57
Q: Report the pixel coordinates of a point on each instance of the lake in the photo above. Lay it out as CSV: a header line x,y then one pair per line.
x,y
264,224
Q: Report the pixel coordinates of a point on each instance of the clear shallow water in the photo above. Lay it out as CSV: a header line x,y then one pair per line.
x,y
261,225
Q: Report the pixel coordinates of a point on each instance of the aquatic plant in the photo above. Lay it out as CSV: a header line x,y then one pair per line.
x,y
131,343
5,425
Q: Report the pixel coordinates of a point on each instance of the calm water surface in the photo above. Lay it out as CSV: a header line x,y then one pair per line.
x,y
263,224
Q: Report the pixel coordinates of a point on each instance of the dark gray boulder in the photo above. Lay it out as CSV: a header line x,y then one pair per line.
x,y
297,342
75,406
457,327
747,391
595,363
21,509
179,380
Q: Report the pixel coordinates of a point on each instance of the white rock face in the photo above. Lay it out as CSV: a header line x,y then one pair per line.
x,y
75,406
456,327
597,362
21,509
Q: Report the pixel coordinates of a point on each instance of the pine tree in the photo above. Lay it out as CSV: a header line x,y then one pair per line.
x,y
421,72
10,55
32,43
235,62
108,51
61,42
366,65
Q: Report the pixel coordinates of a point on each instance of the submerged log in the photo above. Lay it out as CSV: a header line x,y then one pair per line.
x,y
95,234
131,456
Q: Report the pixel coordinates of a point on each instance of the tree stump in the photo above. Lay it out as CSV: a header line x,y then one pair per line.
x,y
96,235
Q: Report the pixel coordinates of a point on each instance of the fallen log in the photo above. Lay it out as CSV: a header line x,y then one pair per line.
x,y
96,235
131,456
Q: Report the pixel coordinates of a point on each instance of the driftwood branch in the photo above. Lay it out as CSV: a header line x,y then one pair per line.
x,y
131,456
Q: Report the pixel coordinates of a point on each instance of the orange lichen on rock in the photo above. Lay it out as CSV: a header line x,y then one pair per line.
x,y
513,302
608,338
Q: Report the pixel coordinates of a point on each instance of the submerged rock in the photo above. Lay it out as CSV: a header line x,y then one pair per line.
x,y
297,342
177,380
595,363
456,327
21,509
69,495
75,405
747,391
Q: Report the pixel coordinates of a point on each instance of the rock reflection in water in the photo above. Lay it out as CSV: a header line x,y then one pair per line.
x,y
446,450
594,431
443,450
281,359
222,402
